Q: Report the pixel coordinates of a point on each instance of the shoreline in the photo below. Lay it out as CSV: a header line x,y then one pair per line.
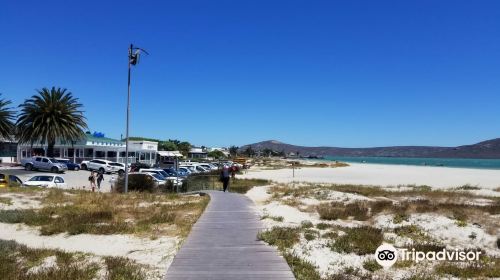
x,y
342,159
385,175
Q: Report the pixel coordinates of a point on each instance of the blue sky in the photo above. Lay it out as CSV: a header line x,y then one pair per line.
x,y
335,73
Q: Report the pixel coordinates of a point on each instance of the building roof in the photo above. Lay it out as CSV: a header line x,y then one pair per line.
x,y
197,151
91,137
170,153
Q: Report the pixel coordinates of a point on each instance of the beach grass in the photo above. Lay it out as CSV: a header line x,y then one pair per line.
x,y
359,240
486,268
282,237
302,269
244,185
76,212
22,263
6,200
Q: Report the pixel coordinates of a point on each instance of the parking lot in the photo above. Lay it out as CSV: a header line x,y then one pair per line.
x,y
73,179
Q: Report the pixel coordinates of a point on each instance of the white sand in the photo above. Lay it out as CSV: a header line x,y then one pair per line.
x,y
20,201
385,175
156,253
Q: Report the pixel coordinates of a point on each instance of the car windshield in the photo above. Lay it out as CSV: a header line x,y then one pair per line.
x,y
158,176
53,160
63,160
42,178
171,172
163,173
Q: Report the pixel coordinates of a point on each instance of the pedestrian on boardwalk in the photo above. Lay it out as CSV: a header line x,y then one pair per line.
x,y
92,180
100,178
233,172
224,177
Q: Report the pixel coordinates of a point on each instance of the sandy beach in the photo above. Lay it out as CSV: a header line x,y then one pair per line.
x,y
385,175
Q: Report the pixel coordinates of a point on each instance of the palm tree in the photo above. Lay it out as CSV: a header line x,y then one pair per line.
x,y
6,119
53,114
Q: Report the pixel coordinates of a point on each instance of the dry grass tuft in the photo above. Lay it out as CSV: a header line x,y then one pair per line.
x,y
78,212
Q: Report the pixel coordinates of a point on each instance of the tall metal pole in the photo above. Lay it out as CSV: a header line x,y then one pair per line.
x,y
128,113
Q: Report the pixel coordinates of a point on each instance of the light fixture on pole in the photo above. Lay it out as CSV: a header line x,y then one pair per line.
x,y
133,59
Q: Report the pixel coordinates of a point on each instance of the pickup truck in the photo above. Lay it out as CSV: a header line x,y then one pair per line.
x,y
43,163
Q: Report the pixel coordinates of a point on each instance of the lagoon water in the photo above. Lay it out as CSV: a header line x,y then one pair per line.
x,y
446,162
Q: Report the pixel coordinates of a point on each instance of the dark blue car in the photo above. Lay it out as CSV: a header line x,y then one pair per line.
x,y
172,172
71,165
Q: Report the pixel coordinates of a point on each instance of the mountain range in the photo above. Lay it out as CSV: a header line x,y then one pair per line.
x,y
489,149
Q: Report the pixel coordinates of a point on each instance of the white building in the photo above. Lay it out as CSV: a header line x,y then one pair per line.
x,y
93,147
197,153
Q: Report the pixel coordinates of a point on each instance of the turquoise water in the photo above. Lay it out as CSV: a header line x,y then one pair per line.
x,y
446,162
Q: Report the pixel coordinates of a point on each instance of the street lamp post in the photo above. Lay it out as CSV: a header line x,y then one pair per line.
x,y
133,58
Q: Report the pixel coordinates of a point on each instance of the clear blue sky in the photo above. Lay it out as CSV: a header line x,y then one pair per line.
x,y
337,73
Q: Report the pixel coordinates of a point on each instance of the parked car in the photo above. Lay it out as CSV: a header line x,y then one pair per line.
x,y
177,181
158,179
99,165
134,167
208,166
71,165
176,173
120,167
7,180
43,163
195,168
184,170
46,181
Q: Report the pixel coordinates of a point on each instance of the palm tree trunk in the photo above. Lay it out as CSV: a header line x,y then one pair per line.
x,y
50,148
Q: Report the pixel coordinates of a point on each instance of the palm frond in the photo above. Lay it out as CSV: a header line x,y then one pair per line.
x,y
53,114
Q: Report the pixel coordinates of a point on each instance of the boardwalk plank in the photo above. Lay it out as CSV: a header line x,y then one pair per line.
x,y
223,245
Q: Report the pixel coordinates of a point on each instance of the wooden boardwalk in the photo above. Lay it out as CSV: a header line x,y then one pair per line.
x,y
223,245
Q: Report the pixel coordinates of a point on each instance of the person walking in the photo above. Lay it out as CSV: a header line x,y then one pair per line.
x,y
224,177
233,172
100,178
92,180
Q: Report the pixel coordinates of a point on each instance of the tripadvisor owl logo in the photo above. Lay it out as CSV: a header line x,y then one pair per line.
x,y
386,255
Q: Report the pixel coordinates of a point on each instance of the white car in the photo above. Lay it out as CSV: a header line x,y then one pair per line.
x,y
177,181
158,179
99,165
46,181
208,166
195,168
120,167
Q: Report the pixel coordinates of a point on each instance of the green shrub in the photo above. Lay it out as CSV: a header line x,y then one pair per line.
x,y
282,237
486,269
302,269
306,224
337,210
361,240
371,265
379,206
120,268
400,217
311,234
322,226
137,182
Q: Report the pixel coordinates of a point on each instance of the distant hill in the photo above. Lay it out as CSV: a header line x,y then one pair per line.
x,y
485,150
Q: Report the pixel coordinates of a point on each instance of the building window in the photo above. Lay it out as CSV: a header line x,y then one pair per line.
x,y
89,153
111,154
100,154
